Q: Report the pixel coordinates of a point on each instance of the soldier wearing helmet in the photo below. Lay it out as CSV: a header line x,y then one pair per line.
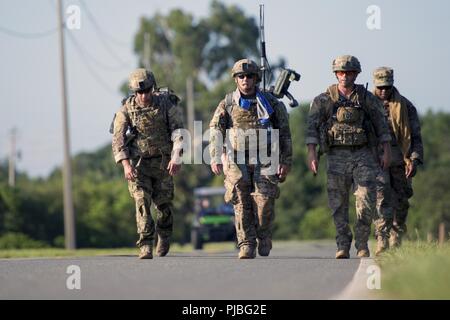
x,y
346,122
395,185
153,157
251,185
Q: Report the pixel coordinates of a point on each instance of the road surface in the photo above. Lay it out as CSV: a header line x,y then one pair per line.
x,y
292,271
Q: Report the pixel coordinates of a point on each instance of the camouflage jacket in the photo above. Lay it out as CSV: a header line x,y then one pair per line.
x,y
416,146
160,128
321,110
416,136
222,120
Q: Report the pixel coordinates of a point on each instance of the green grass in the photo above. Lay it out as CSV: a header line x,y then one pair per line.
x,y
57,252
417,270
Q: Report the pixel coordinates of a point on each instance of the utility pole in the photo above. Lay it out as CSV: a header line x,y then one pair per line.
x,y
147,50
69,219
190,103
12,160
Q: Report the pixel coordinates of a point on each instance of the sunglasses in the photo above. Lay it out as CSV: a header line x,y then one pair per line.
x,y
248,76
384,88
346,72
143,91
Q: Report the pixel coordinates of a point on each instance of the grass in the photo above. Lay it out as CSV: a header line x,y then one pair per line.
x,y
417,270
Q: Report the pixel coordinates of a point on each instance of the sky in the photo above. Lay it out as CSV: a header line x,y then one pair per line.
x,y
409,36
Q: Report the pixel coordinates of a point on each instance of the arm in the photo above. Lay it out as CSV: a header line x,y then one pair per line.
x,y
175,127
218,128
281,122
119,147
380,127
313,162
416,155
315,122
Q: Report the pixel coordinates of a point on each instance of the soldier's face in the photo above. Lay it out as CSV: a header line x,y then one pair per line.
x,y
246,83
144,97
384,93
346,79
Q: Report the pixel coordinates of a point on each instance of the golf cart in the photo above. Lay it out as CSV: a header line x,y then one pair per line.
x,y
214,219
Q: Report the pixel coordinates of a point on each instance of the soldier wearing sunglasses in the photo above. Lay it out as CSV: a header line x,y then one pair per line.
x,y
251,184
152,157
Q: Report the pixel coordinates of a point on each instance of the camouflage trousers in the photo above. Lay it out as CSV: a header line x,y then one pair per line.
x,y
347,167
393,192
253,197
153,183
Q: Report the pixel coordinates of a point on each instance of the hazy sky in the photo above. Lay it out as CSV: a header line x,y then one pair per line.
x,y
413,39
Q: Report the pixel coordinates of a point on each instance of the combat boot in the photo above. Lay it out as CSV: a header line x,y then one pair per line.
x,y
343,254
363,253
146,252
395,240
247,252
264,246
163,246
382,245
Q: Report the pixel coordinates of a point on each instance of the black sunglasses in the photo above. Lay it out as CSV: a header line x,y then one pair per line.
x,y
384,87
143,91
248,76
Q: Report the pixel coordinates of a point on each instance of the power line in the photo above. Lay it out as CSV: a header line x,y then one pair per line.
x,y
98,62
84,59
122,64
101,30
25,35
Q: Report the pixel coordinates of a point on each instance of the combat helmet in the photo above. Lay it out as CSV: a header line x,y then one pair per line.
x,y
246,66
346,63
141,79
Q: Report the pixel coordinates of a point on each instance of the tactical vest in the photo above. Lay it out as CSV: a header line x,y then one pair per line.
x,y
347,128
151,125
241,120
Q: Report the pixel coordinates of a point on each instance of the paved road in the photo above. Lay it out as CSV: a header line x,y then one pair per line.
x,y
292,271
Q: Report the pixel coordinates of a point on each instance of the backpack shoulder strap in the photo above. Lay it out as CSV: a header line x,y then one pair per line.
x,y
229,102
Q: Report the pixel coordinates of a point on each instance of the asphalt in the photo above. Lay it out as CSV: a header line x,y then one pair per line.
x,y
291,272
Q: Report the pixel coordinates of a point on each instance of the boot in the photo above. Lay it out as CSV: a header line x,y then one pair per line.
x,y
264,246
247,252
363,253
163,246
382,245
395,240
146,252
343,253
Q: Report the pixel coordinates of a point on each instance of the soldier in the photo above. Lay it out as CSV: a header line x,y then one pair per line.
x,y
150,159
346,121
394,185
250,186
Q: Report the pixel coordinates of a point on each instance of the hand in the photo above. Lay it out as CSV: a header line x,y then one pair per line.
x,y
128,171
313,163
217,168
283,171
173,167
411,169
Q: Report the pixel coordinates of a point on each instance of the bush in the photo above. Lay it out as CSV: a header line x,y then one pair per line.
x,y
317,224
13,240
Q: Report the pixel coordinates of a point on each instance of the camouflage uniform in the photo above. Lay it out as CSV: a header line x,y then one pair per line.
x,y
394,189
345,129
248,188
157,134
